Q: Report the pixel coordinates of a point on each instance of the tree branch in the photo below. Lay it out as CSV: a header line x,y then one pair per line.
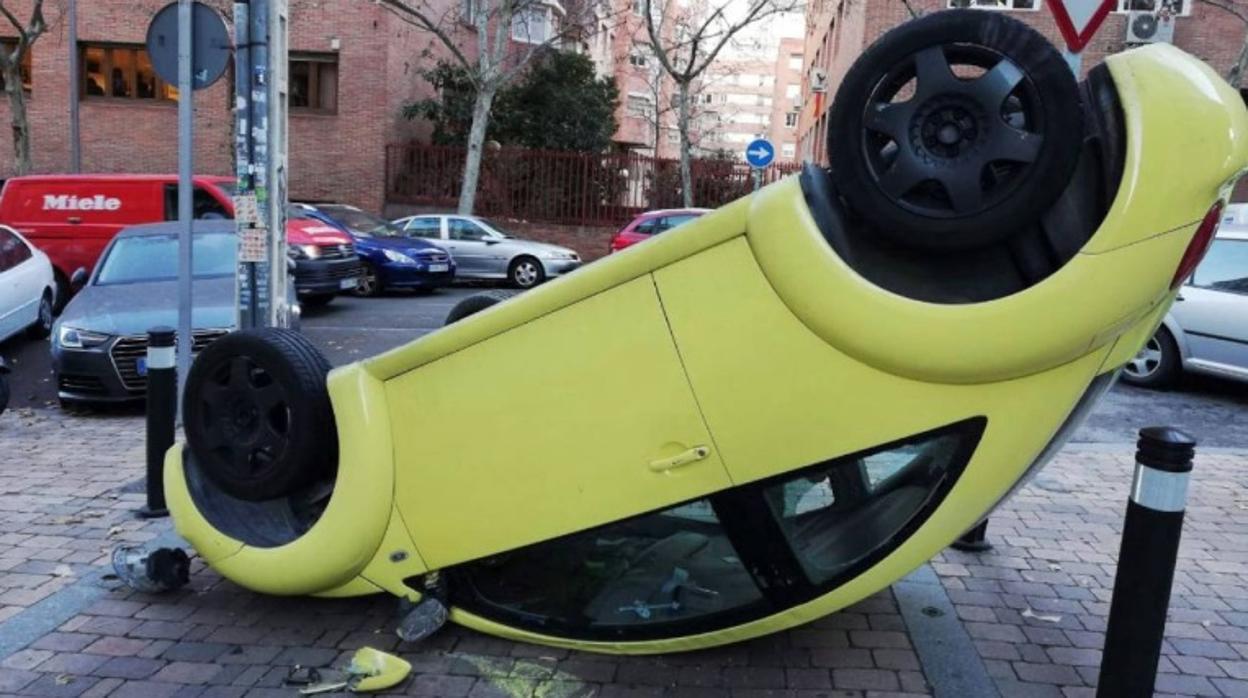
x,y
1229,8
421,20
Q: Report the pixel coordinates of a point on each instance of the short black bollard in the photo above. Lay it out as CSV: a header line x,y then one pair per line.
x,y
974,540
162,408
1150,546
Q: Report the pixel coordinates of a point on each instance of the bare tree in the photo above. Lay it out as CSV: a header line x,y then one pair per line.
x,y
509,33
687,39
11,60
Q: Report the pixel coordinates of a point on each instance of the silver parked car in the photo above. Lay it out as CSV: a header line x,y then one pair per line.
x,y
1207,330
483,250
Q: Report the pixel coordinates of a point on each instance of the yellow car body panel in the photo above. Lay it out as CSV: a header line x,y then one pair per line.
x,y
469,427
742,334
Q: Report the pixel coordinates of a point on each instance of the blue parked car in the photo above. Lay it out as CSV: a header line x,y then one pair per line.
x,y
389,259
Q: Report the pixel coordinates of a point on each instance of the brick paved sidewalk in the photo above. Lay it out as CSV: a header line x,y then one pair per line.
x,y
1033,607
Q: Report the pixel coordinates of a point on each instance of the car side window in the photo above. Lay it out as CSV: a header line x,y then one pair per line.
x,y
673,221
464,229
424,228
12,250
1225,267
649,576
647,227
203,205
8,250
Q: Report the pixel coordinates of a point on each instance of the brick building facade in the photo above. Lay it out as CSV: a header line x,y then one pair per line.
x,y
353,66
837,32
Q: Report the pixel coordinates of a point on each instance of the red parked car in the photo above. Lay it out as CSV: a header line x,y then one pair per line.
x,y
652,223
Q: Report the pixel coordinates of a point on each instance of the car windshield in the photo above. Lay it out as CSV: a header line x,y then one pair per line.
x,y
500,230
362,223
155,258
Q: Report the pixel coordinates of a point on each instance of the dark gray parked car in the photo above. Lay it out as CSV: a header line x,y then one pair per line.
x,y
99,344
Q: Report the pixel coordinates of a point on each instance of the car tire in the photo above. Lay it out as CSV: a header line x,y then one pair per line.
x,y
317,300
1157,364
948,168
369,284
43,325
258,417
526,272
476,303
63,291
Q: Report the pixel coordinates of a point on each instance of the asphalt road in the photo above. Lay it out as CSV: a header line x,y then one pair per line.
x,y
1214,411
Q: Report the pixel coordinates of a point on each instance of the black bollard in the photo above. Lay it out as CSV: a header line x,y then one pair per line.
x,y
974,540
1150,547
162,408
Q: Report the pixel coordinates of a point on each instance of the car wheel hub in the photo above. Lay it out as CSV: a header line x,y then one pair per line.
x,y
1147,361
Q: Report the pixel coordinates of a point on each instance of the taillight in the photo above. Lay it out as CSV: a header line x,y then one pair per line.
x,y
1199,245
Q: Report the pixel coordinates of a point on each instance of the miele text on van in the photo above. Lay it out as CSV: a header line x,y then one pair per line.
x,y
69,202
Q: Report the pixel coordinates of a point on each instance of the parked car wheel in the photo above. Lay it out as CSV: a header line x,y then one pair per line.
x,y
953,128
1157,363
526,272
258,416
369,285
476,303
43,325
317,300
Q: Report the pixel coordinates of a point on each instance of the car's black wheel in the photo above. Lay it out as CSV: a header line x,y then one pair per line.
x,y
317,300
43,325
955,129
63,291
257,414
369,284
526,272
476,303
1157,364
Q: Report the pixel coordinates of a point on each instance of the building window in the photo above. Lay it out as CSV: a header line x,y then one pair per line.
x,y
121,72
790,120
788,150
532,25
792,91
638,105
795,61
639,8
1176,8
637,60
468,10
314,82
707,99
9,46
1028,5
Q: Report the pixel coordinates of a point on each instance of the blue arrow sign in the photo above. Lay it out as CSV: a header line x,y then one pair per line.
x,y
759,153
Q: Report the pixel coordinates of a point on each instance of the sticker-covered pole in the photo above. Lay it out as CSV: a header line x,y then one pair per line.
x,y
1146,560
186,168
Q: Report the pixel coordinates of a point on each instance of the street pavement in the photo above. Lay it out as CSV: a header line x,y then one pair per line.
x,y
1024,619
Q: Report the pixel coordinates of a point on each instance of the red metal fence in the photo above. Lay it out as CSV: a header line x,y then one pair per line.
x,y
563,187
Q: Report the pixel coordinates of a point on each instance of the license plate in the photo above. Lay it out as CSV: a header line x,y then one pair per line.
x,y
348,283
439,267
140,365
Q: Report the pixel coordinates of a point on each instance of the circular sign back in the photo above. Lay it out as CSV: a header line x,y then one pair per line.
x,y
210,44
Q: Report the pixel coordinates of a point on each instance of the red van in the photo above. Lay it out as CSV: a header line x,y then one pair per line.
x,y
73,217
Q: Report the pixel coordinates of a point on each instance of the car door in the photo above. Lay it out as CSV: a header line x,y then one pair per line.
x,y
471,244
21,283
1213,307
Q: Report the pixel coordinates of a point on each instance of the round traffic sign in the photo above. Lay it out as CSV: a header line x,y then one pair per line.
x,y
210,44
760,153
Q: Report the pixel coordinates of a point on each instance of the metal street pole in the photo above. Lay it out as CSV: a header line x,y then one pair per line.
x,y
75,139
186,167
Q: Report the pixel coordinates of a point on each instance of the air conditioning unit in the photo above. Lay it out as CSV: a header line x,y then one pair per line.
x,y
1150,28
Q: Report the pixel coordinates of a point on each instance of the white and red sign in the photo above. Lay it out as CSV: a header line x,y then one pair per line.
x,y
1078,20
70,202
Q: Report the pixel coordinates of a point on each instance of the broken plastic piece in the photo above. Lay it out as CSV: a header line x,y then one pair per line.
x,y
152,571
374,670
420,620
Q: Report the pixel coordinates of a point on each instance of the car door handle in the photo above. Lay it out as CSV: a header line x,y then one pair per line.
x,y
74,219
689,457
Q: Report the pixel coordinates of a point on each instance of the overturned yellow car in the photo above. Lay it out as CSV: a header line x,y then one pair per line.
x,y
753,420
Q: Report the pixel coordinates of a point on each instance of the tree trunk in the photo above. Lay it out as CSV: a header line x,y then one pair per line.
x,y
18,118
682,123
1235,75
476,141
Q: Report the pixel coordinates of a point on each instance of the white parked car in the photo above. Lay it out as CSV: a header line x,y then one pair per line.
x,y
27,288
1206,331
